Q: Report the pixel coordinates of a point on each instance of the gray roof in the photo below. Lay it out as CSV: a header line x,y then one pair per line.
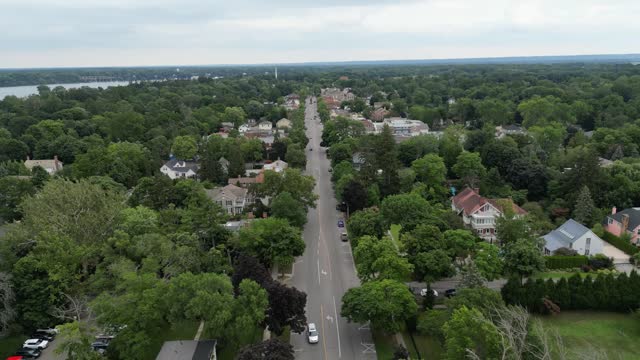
x,y
182,166
229,191
634,217
565,235
187,350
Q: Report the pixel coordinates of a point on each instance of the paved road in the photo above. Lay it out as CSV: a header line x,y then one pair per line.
x,y
326,270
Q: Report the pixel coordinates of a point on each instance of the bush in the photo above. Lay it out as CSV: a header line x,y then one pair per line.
x,y
620,243
600,261
565,262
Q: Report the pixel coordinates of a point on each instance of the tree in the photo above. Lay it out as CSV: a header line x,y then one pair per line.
x,y
272,240
523,258
284,206
469,168
386,303
248,267
460,243
469,331
471,277
77,338
234,115
423,238
12,191
486,300
272,349
355,196
584,209
184,147
296,156
407,210
379,259
433,265
430,169
488,261
365,222
127,162
286,308
254,109
290,180
7,298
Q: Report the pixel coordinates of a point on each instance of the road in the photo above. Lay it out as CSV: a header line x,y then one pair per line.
x,y
326,270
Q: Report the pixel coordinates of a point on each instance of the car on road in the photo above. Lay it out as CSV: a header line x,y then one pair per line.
x,y
344,236
312,334
450,293
52,331
424,292
340,223
25,353
35,344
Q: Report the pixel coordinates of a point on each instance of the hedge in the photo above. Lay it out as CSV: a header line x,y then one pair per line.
x,y
621,244
565,262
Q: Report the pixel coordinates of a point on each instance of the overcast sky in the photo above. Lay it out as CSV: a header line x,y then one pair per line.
x,y
52,33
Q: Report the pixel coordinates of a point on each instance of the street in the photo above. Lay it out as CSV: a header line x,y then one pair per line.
x,y
326,270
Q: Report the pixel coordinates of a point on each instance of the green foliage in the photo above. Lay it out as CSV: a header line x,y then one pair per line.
x,y
379,259
386,303
284,206
488,261
272,240
622,244
565,262
469,330
431,323
486,300
365,222
469,168
584,209
290,180
523,258
12,191
184,147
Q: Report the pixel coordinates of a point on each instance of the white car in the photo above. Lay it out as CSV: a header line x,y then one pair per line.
x,y
35,344
423,292
312,333
50,331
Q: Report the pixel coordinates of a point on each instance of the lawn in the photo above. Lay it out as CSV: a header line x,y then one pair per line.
x,y
385,345
249,337
10,344
395,235
428,346
616,334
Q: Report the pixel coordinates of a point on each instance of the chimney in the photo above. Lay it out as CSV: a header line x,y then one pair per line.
x,y
28,157
625,222
614,210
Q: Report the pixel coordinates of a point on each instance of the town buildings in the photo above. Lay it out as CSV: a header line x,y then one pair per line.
x,y
574,236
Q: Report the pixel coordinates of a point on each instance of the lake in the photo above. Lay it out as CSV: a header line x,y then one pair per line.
x,y
23,91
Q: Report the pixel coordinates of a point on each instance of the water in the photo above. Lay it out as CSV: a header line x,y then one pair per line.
x,y
24,91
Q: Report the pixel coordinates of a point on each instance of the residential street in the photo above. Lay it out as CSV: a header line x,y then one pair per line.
x,y
326,270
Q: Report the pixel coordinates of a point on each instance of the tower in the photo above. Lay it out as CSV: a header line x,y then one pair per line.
x,y
276,72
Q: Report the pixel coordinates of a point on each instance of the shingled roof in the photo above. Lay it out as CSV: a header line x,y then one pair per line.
x,y
469,201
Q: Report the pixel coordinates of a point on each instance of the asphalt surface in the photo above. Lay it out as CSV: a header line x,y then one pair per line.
x,y
326,270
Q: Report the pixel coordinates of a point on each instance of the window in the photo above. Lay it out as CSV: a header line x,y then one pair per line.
x,y
588,242
229,202
586,252
609,221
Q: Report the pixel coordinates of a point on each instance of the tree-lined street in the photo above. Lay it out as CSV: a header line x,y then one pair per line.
x,y
326,270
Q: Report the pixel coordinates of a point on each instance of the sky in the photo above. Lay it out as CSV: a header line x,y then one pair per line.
x,y
69,33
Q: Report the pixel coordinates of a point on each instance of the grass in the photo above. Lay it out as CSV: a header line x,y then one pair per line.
x,y
395,235
428,346
249,337
613,333
10,344
385,345
559,274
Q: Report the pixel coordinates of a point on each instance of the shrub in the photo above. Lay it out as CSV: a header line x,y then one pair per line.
x,y
620,243
565,262
600,261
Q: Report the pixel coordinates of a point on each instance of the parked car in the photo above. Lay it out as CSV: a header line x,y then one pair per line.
x,y
312,334
424,292
52,331
35,344
100,346
28,353
43,336
340,223
344,236
450,293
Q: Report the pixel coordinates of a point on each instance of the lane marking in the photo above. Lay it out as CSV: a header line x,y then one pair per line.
x,y
368,348
335,312
318,271
324,345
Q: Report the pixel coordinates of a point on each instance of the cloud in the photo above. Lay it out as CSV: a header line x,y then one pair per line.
x,y
121,32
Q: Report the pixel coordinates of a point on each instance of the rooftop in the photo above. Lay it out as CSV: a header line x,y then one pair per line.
x,y
565,235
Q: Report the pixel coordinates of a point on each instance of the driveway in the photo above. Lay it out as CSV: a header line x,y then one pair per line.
x,y
620,258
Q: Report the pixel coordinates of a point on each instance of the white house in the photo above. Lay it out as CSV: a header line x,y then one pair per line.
x,y
575,236
52,166
277,166
480,213
244,128
403,127
180,169
265,126
283,123
502,131
232,198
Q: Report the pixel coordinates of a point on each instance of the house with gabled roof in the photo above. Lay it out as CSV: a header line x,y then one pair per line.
x,y
623,222
575,236
479,213
176,169
51,166
232,198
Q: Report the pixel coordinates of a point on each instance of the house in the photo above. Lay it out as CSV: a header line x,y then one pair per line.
x,y
277,166
357,160
502,131
480,213
52,166
227,126
244,128
575,236
378,104
265,126
404,127
292,101
622,222
224,164
283,123
605,163
339,95
232,198
369,127
340,112
188,350
246,182
180,169
379,114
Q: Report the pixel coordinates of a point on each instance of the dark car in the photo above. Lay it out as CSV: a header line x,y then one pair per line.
x,y
100,346
340,223
450,293
43,336
28,353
